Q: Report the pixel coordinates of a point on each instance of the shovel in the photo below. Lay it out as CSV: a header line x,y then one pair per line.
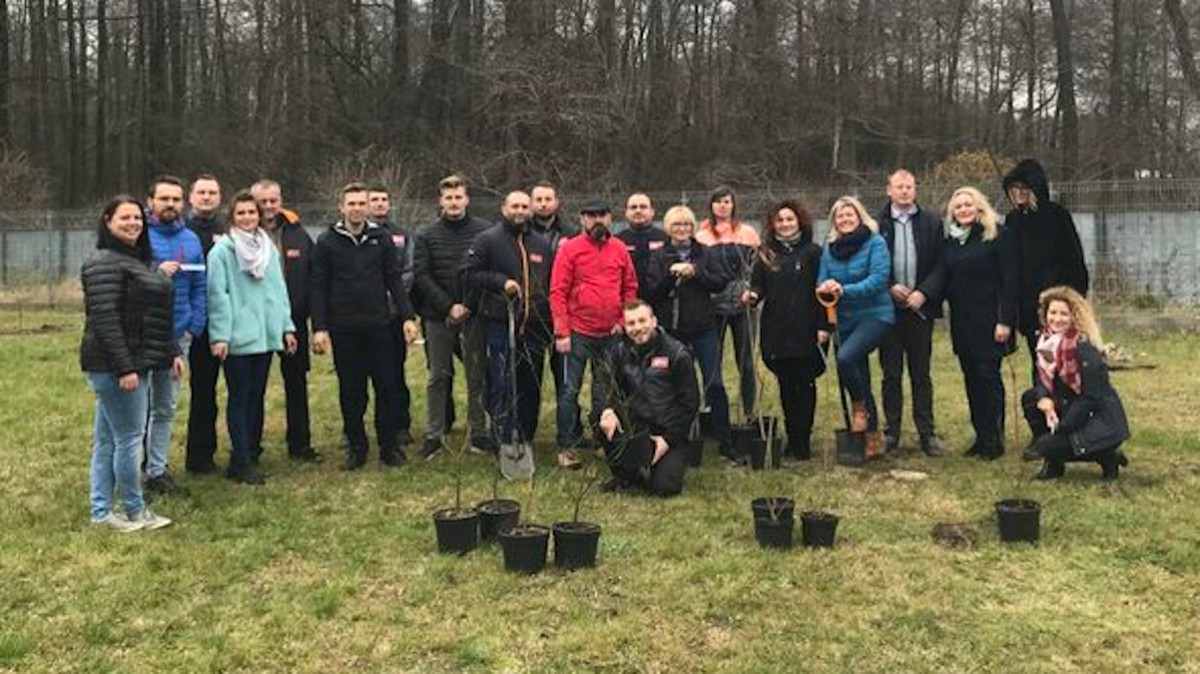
x,y
851,446
516,455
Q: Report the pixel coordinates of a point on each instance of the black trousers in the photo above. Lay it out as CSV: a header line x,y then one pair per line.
x,y
798,393
403,397
664,478
911,339
985,397
246,379
740,324
359,355
1056,448
202,411
294,369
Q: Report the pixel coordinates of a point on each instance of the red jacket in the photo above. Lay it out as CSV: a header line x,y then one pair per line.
x,y
589,284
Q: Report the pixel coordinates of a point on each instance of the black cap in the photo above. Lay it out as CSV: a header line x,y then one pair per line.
x,y
595,207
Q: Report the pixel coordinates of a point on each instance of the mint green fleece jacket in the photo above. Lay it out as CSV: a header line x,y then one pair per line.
x,y
251,315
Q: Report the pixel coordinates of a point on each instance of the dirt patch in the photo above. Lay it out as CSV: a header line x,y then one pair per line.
x,y
43,329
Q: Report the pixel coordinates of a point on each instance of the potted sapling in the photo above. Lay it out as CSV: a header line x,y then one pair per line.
x,y
577,543
458,527
525,544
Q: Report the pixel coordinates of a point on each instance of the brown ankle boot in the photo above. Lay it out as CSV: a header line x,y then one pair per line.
x,y
874,444
858,416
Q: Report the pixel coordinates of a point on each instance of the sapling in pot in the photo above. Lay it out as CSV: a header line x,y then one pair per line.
x,y
576,543
458,527
773,521
1018,519
525,545
496,514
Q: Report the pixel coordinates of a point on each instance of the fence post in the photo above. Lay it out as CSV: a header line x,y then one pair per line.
x,y
4,258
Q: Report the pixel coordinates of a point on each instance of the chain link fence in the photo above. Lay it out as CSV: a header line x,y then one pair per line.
x,y
1141,238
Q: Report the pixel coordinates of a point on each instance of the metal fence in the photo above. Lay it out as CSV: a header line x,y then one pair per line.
x,y
1141,238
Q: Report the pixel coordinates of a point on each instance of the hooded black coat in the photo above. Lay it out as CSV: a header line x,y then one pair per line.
x,y
1047,245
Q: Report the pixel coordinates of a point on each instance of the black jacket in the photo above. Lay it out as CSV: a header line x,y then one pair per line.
x,y
1094,418
981,287
791,315
404,244
1048,249
129,307
555,231
353,277
295,251
928,233
684,308
509,251
438,256
641,244
206,228
657,388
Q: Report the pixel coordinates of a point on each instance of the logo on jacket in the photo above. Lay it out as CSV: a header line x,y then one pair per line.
x,y
398,239
655,245
535,258
660,362
292,253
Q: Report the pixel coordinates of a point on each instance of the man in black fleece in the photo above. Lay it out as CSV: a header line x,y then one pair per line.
x,y
354,272
202,218
446,309
645,437
1048,248
641,237
379,202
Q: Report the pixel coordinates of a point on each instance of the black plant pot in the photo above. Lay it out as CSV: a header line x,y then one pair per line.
x,y
757,450
851,447
497,515
576,544
524,547
695,452
818,528
774,533
457,530
773,507
1019,520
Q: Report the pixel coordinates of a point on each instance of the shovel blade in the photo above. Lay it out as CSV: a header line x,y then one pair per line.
x,y
516,461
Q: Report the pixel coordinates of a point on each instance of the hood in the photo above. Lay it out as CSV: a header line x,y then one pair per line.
x,y
1031,173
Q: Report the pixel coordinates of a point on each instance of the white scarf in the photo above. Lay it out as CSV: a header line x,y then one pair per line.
x,y
253,250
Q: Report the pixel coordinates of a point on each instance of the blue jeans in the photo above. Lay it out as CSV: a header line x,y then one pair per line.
x,y
854,368
246,379
583,350
164,398
530,352
117,437
706,347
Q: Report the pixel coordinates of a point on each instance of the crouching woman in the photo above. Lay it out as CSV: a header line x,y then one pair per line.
x,y
1073,410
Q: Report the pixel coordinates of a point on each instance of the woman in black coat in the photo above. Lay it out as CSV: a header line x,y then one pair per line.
x,y
1073,410
1047,245
784,280
981,287
681,278
128,331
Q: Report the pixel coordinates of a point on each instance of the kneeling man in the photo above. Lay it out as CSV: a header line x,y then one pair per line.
x,y
645,437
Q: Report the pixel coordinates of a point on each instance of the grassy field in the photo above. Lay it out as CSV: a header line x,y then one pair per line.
x,y
322,571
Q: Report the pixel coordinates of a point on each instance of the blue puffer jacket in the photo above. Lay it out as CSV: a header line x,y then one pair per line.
x,y
864,278
174,241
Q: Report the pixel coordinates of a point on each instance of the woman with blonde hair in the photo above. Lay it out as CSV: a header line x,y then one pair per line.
x,y
981,288
855,268
1073,411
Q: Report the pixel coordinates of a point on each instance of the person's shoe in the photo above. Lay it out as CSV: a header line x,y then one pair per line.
x,y
858,416
974,450
352,462
732,458
569,460
586,444
149,521
1031,453
251,475
431,448
932,447
893,442
118,523
484,446
874,444
403,438
309,455
1049,471
202,469
614,485
394,459
1122,460
1110,466
990,451
163,485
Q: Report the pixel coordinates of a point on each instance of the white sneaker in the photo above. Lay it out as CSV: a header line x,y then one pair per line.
x,y
118,522
149,521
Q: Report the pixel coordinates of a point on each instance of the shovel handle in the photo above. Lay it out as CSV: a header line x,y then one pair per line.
x,y
830,302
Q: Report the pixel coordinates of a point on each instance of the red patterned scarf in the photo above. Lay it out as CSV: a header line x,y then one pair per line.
x,y
1057,354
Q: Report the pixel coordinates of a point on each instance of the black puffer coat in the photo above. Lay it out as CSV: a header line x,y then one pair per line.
x,y
1047,245
129,307
510,251
438,256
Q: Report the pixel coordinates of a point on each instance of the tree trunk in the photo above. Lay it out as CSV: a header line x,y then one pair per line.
x,y
5,73
1066,89
1183,45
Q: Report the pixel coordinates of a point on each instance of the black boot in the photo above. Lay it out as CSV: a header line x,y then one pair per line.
x,y
1110,466
1051,470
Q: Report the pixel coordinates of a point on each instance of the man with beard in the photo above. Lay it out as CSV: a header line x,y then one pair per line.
x,y
645,432
295,250
641,237
592,277
445,306
203,220
178,254
511,267
355,273
379,205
